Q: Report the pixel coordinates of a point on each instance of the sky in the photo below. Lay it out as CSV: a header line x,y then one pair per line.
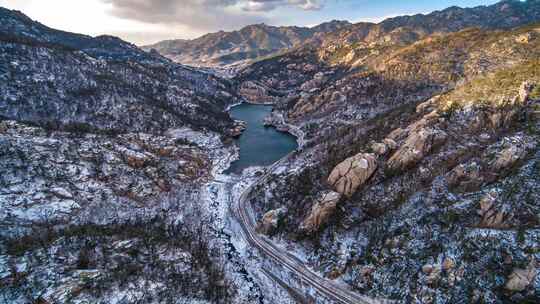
x,y
148,21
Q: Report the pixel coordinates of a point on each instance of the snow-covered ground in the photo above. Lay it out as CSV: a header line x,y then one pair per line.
x,y
245,268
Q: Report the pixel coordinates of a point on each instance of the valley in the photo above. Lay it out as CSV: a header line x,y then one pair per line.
x,y
390,162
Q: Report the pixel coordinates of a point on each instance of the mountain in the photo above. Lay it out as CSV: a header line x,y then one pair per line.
x,y
420,150
58,79
429,199
415,181
406,29
313,74
251,42
257,41
107,153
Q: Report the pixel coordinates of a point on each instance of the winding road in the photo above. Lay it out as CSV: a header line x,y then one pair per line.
x,y
244,214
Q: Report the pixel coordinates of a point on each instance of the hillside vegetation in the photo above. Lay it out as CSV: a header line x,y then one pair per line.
x,y
417,179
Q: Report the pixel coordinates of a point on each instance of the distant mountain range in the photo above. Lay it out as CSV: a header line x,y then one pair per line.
x,y
251,42
261,40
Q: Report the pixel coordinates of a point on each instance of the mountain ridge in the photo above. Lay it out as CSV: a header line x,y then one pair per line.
x,y
410,156
250,42
98,78
224,49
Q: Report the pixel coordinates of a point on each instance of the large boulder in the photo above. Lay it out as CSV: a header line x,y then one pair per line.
x,y
322,210
491,215
503,118
509,156
352,173
379,148
238,129
467,176
315,83
384,147
136,159
416,147
270,221
520,279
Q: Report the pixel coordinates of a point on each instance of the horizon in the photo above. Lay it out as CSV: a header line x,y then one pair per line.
x,y
145,24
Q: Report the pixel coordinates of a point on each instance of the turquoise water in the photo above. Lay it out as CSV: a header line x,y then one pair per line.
x,y
259,145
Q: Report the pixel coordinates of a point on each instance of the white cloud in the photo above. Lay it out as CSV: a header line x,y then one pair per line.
x,y
268,5
204,14
197,15
94,17
148,21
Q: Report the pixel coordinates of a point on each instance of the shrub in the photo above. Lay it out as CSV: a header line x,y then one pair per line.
x,y
500,85
535,94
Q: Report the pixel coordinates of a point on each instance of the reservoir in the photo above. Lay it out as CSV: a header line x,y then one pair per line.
x,y
259,145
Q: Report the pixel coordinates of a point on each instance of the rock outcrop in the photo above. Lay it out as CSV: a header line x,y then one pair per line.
x,y
524,91
238,129
352,173
314,84
508,157
384,147
255,92
270,221
379,148
416,147
520,278
467,176
323,208
490,214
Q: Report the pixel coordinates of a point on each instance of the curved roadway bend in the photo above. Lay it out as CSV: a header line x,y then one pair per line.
x,y
243,212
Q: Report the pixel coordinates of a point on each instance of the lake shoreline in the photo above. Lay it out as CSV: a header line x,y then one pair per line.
x,y
260,144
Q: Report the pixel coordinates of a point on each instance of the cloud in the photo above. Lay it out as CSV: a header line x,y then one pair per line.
x,y
204,15
268,5
197,14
